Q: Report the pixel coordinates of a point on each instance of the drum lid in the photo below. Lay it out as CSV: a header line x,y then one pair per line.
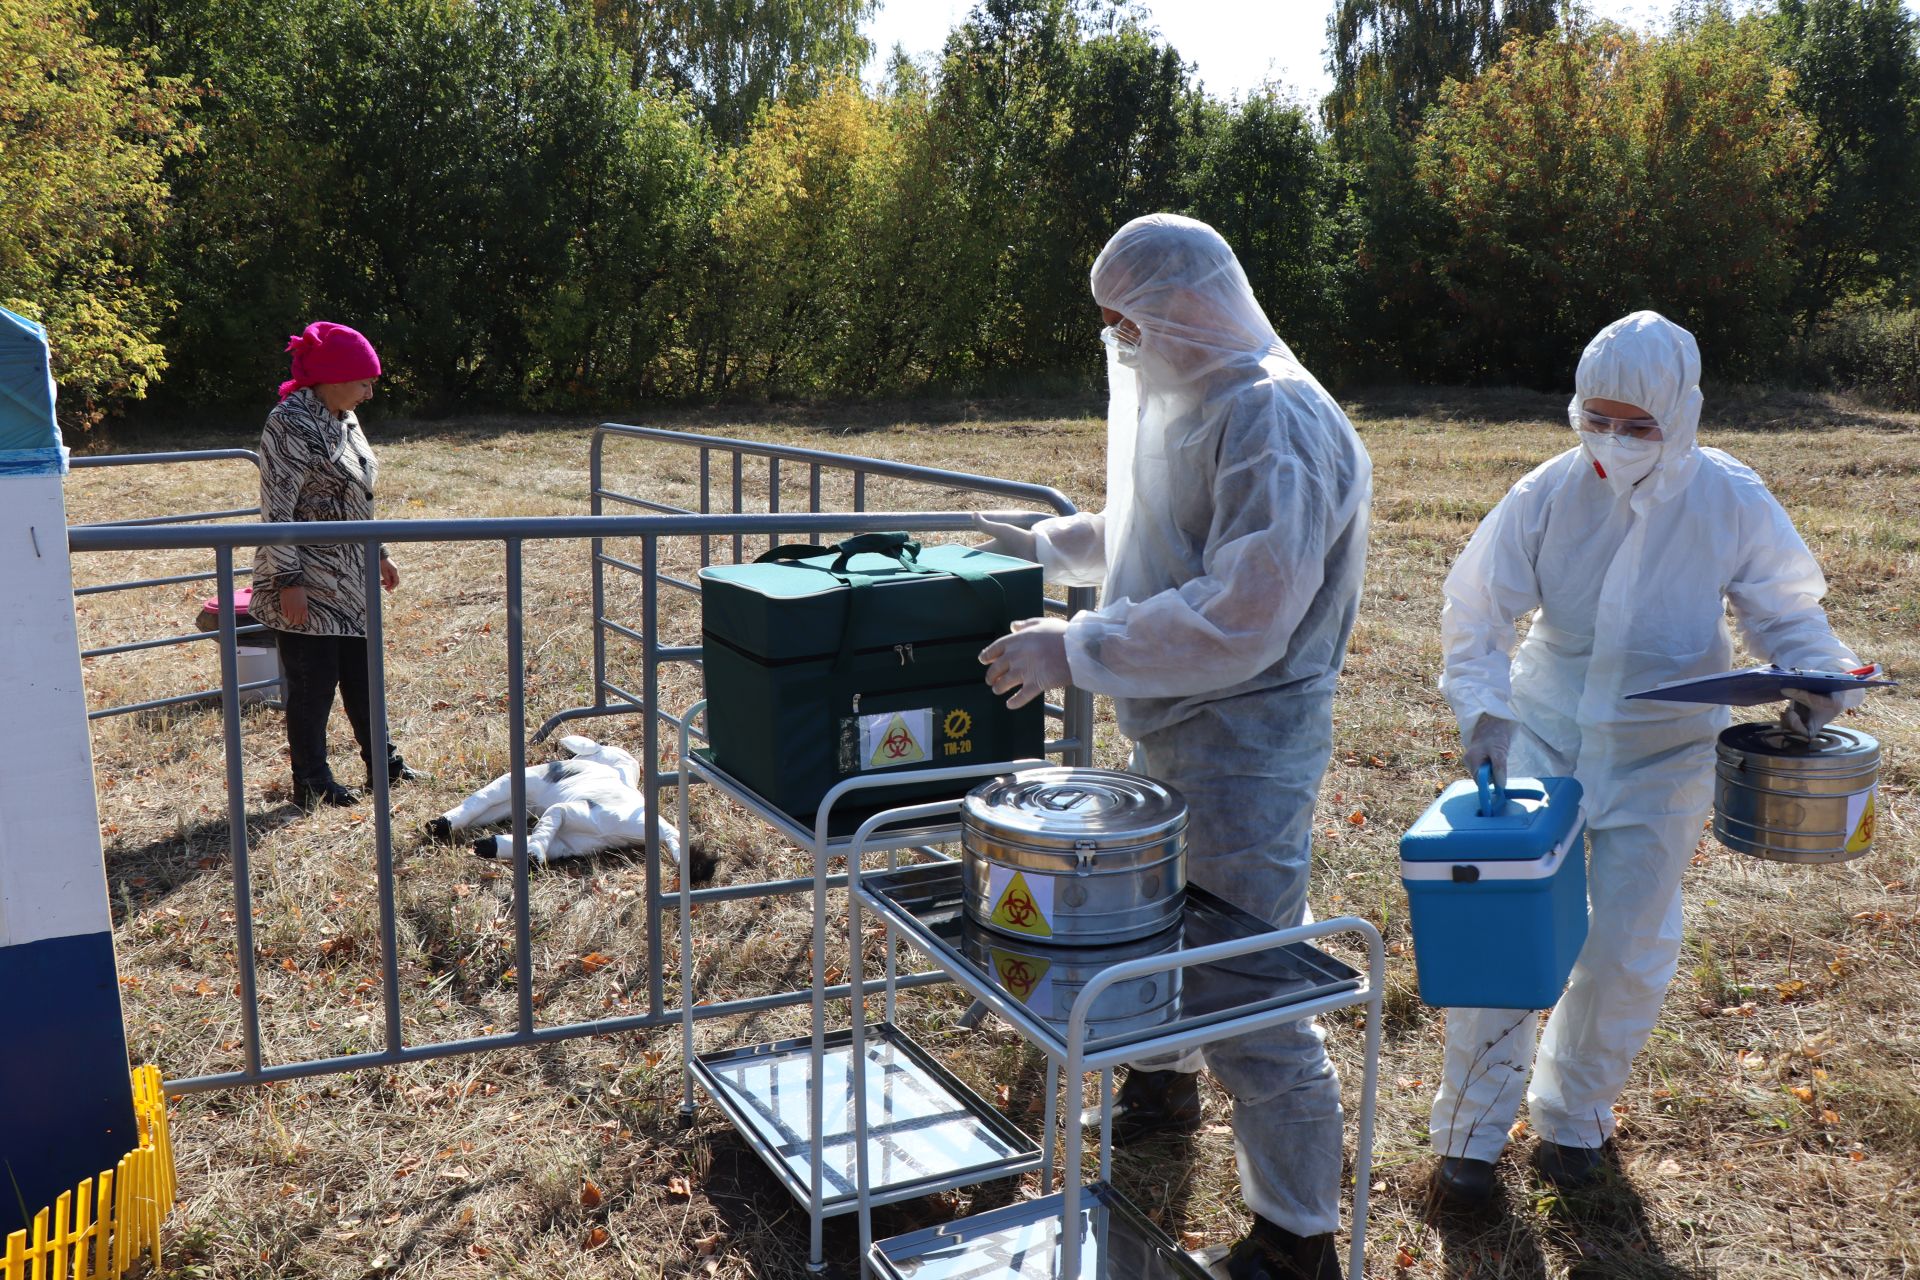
x,y
1070,808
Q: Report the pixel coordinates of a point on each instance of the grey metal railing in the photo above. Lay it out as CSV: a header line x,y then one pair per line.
x,y
223,572
511,535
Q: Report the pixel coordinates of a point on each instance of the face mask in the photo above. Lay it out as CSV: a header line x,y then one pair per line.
x,y
1621,461
1125,349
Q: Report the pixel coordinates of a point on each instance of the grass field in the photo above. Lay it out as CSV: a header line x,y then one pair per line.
x,y
1772,1128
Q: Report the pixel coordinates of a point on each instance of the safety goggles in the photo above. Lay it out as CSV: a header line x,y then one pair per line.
x,y
1601,425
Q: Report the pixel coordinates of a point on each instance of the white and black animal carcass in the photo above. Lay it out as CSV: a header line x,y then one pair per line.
x,y
586,805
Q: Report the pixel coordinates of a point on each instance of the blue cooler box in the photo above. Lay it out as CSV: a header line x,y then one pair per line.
x,y
1497,884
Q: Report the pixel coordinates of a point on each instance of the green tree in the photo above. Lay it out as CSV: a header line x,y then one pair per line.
x,y
84,135
1065,121
1595,171
1856,78
1260,174
1399,53
733,57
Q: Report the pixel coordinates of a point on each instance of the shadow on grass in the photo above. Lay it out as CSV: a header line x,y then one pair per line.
x,y
140,876
1602,1233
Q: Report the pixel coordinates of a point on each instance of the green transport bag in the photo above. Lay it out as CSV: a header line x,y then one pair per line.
x,y
825,663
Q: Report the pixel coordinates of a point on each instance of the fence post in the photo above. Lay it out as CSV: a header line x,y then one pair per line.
x,y
66,1107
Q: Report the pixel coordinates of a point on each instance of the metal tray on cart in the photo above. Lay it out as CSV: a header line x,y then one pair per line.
x,y
1022,1242
925,903
926,1130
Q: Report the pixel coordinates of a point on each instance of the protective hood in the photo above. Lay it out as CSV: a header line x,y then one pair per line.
x,y
1648,360
1180,283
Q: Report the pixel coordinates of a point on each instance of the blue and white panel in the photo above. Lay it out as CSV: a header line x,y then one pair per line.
x,y
66,1103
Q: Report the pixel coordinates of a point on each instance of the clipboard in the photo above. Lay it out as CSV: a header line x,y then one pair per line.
x,y
1752,686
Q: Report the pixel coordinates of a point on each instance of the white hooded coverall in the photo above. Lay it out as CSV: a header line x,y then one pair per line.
x,y
586,805
1627,590
1230,555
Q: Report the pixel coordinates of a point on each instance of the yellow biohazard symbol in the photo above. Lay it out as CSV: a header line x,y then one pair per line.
x,y
957,723
1017,910
897,746
1862,838
1017,973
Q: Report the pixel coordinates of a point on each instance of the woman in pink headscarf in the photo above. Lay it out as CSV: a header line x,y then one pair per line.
x,y
315,464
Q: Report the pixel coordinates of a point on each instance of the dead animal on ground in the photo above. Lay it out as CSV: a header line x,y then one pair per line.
x,y
586,805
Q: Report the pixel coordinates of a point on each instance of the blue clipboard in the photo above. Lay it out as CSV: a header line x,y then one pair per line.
x,y
1756,685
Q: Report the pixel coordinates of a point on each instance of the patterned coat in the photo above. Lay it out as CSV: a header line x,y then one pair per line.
x,y
314,466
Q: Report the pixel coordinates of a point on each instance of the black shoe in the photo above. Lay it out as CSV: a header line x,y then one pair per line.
x,y
439,830
487,847
1461,1182
1270,1252
310,798
398,770
1569,1168
1155,1102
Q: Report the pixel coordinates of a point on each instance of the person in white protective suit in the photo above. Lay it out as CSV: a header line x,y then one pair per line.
x,y
586,805
1627,550
1230,555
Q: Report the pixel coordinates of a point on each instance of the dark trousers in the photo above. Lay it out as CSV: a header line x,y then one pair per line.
x,y
313,667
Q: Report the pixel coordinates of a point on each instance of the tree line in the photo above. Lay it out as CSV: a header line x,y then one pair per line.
x,y
590,203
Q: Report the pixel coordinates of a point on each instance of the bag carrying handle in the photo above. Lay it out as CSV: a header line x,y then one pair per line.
x,y
895,546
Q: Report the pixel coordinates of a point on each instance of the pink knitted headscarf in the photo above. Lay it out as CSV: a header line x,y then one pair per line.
x,y
328,352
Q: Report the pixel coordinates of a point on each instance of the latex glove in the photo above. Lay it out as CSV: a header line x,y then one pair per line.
x,y
1487,744
1010,533
1807,712
1032,660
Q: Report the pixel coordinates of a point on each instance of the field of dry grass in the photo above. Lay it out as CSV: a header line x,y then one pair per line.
x,y
1772,1129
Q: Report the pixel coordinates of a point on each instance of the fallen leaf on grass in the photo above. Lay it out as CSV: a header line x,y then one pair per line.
x,y
652,1057
595,1238
1791,990
1856,1156
679,1186
1191,1240
594,961
707,1246
1802,1092
1403,1259
1357,818
1829,1116
590,1196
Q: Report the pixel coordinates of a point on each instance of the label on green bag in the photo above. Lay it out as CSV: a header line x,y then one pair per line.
x,y
894,738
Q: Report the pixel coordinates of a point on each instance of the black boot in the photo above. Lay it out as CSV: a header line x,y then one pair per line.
x,y
312,796
398,770
439,830
1270,1252
1155,1102
1569,1168
1463,1183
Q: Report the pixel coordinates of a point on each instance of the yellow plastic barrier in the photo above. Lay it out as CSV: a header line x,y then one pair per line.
x,y
88,1234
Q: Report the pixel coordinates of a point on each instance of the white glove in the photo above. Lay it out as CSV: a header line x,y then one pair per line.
x,y
1487,744
1807,712
1033,659
1010,533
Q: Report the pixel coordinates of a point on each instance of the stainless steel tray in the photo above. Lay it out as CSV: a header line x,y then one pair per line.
x,y
1022,1242
926,1130
925,903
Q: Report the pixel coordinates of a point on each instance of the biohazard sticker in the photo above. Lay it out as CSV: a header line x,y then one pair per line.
x,y
1860,821
1022,901
1025,978
894,738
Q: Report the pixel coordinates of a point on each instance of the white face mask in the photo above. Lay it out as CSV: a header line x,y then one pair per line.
x,y
1623,462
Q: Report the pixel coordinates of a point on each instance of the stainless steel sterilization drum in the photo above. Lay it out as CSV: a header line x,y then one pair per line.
x,y
1788,799
1074,857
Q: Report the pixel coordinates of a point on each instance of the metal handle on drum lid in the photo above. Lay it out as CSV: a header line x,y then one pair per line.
x,y
1084,852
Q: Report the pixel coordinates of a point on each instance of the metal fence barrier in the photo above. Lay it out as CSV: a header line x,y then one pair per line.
x,y
512,534
225,577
